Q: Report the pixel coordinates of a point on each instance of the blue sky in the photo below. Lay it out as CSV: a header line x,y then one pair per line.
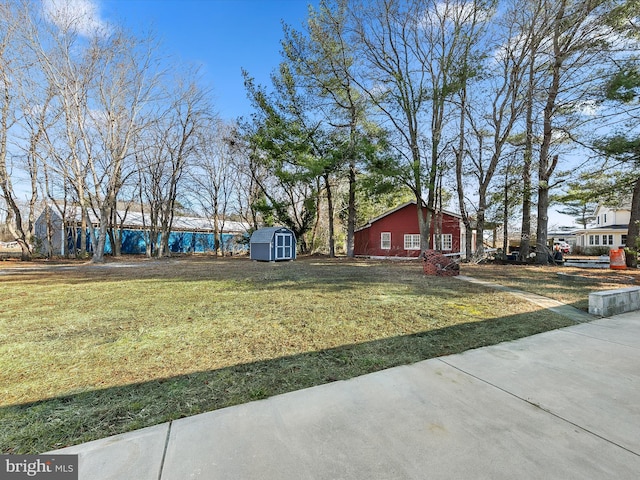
x,y
222,36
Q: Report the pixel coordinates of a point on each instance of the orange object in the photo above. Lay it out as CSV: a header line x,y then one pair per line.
x,y
617,260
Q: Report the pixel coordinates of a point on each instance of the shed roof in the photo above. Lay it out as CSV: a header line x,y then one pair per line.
x,y
265,235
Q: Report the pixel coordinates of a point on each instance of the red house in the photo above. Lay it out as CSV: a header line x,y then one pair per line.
x,y
396,233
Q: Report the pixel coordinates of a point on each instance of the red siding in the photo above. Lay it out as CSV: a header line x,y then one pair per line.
x,y
399,223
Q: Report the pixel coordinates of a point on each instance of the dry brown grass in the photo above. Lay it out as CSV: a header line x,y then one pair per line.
x,y
570,285
87,351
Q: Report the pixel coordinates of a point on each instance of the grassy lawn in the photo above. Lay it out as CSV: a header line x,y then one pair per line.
x,y
570,285
91,351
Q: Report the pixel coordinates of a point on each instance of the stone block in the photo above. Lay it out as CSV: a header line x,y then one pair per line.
x,y
613,302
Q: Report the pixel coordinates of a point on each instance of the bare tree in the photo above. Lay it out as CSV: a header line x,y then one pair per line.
x,y
532,22
578,36
212,175
102,79
36,120
70,63
124,85
493,113
396,82
163,155
413,62
11,68
249,175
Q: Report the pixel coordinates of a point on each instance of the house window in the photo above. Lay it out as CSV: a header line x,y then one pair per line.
x,y
610,239
385,240
412,242
604,239
591,240
605,218
443,241
597,239
624,240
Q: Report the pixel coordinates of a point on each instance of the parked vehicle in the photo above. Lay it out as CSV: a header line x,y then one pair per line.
x,y
564,247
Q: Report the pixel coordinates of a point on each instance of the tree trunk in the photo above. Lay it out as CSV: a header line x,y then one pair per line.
x,y
424,218
13,211
332,240
546,165
165,249
98,247
351,211
424,214
468,241
525,228
217,234
84,225
542,253
459,155
480,232
115,234
48,241
505,216
632,234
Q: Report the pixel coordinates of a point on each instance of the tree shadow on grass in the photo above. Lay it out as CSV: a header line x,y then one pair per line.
x,y
237,269
68,420
305,274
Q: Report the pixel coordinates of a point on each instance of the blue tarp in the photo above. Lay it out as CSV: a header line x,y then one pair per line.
x,y
135,242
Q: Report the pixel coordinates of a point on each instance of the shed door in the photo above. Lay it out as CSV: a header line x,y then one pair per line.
x,y
284,246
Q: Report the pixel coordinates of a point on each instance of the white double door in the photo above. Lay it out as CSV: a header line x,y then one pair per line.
x,y
284,246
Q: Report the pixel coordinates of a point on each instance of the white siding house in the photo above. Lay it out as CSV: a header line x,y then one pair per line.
x,y
609,229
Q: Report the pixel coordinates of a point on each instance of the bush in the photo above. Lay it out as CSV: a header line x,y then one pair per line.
x,y
597,251
631,257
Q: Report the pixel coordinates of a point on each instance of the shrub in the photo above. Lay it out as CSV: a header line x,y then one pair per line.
x,y
597,251
631,257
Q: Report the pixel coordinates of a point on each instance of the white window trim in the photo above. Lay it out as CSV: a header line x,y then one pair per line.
x,y
412,241
446,242
385,240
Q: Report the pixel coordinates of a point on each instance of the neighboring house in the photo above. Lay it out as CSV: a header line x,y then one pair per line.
x,y
396,233
188,234
609,231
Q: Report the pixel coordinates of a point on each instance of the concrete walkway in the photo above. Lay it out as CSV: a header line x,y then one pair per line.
x,y
560,308
563,404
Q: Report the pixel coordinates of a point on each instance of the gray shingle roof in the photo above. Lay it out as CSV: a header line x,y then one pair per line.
x,y
264,235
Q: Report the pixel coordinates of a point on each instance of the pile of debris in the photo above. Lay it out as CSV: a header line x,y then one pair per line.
x,y
435,263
